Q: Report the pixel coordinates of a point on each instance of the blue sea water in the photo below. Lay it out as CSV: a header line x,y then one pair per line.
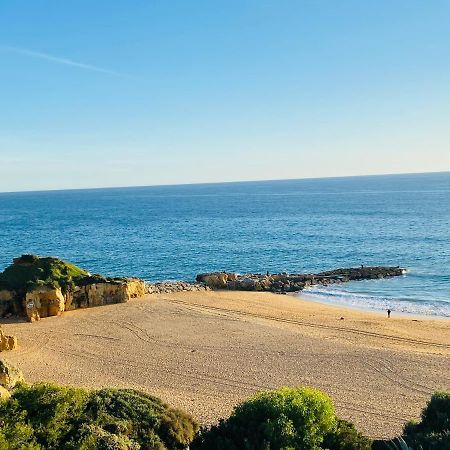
x,y
175,232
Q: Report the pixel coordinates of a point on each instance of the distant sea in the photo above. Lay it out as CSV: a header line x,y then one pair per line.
x,y
175,232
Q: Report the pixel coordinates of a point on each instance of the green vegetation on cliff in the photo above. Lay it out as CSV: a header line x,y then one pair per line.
x,y
30,271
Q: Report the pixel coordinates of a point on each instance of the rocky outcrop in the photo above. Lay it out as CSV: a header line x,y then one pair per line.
x,y
47,302
10,376
4,393
284,282
135,287
7,342
44,302
167,287
118,290
43,287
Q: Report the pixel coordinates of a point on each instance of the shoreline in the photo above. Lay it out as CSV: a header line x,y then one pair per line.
x,y
379,312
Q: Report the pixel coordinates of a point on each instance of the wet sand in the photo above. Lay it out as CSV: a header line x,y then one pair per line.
x,y
207,351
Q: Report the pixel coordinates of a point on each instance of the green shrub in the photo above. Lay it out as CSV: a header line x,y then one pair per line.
x,y
15,434
436,415
433,432
346,437
287,418
96,438
53,412
142,417
46,416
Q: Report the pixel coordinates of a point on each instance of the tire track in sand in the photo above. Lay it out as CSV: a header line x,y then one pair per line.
x,y
314,325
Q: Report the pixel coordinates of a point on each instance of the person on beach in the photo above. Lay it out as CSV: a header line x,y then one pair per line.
x,y
389,313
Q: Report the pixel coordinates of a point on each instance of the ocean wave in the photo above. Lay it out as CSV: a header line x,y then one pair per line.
x,y
336,296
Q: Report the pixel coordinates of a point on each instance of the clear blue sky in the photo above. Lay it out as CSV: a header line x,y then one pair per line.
x,y
116,93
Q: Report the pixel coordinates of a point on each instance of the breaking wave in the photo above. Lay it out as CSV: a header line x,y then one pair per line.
x,y
338,296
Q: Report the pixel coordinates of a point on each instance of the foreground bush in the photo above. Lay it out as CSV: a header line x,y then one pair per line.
x,y
433,432
288,418
346,437
46,416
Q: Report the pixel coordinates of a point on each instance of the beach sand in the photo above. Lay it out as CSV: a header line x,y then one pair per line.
x,y
207,351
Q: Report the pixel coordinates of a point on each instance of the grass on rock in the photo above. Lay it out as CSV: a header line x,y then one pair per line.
x,y
29,272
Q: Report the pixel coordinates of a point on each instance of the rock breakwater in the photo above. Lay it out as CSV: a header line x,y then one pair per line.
x,y
284,282
168,287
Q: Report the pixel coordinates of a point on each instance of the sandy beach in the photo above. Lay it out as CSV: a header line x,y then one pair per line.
x,y
207,351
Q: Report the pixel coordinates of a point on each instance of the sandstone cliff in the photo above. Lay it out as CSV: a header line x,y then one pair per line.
x,y
42,287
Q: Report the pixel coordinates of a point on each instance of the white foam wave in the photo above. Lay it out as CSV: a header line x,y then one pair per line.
x,y
333,295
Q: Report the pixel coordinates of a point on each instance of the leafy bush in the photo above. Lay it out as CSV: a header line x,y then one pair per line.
x,y
96,438
433,432
346,437
287,418
46,416
52,412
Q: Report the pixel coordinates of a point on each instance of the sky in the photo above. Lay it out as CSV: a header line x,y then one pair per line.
x,y
119,93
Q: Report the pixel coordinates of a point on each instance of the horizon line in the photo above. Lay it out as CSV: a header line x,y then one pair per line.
x,y
223,182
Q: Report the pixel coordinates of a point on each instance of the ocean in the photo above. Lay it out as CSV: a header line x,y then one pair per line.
x,y
174,232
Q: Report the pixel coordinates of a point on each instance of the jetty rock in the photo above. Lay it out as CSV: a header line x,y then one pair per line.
x,y
217,280
42,287
169,287
284,282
